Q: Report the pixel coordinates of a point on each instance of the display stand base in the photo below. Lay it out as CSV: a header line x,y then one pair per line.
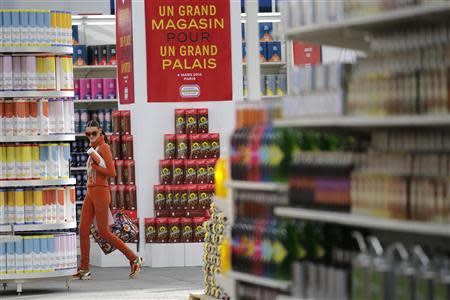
x,y
173,255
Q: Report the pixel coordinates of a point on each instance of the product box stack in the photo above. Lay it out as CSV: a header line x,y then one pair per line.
x,y
94,55
123,188
214,235
183,197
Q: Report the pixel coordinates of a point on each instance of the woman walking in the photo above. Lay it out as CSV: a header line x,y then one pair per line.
x,y
96,204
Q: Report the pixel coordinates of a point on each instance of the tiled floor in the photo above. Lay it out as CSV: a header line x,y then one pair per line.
x,y
113,283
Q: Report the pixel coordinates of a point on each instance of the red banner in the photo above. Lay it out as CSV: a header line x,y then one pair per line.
x,y
188,50
307,54
124,43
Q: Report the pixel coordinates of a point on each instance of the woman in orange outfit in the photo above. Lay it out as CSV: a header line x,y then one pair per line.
x,y
96,203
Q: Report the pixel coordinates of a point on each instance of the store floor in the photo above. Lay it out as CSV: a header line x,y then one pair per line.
x,y
113,283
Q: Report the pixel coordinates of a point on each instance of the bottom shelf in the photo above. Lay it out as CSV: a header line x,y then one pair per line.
x,y
200,297
282,285
42,275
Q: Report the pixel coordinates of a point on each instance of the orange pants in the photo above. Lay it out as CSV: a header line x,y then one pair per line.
x,y
96,204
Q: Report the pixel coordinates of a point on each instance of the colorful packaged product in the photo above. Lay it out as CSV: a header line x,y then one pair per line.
x,y
190,171
109,88
119,171
195,146
165,172
186,230
215,145
97,88
111,58
174,230
180,121
159,197
162,233
79,55
203,122
178,171
263,52
182,146
85,89
274,52
115,146
265,32
129,171
202,171
191,121
150,230
192,192
170,148
125,121
127,146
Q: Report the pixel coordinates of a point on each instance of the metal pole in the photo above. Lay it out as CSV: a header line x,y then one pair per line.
x,y
252,40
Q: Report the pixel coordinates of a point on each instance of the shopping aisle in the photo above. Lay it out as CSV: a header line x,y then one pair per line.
x,y
113,283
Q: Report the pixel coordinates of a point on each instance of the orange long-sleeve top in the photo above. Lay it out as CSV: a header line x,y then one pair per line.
x,y
97,175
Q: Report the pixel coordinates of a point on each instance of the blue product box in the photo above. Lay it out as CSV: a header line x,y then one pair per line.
x,y
263,52
75,36
274,52
265,5
15,29
265,32
79,55
7,27
244,53
243,31
32,19
24,24
242,6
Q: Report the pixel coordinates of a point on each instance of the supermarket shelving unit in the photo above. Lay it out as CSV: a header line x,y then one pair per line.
x,y
352,33
405,226
20,279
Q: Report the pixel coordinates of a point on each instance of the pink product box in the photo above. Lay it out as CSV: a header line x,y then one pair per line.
x,y
97,88
76,89
109,88
85,89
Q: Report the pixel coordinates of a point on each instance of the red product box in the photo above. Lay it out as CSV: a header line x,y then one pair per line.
x,y
119,171
182,143
116,121
192,192
165,172
127,146
174,230
125,122
129,173
170,194
202,120
202,171
190,171
162,232
121,191
178,171
159,197
214,140
115,146
186,230
204,196
130,197
170,148
191,121
211,163
195,146
199,231
150,230
206,145
180,121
